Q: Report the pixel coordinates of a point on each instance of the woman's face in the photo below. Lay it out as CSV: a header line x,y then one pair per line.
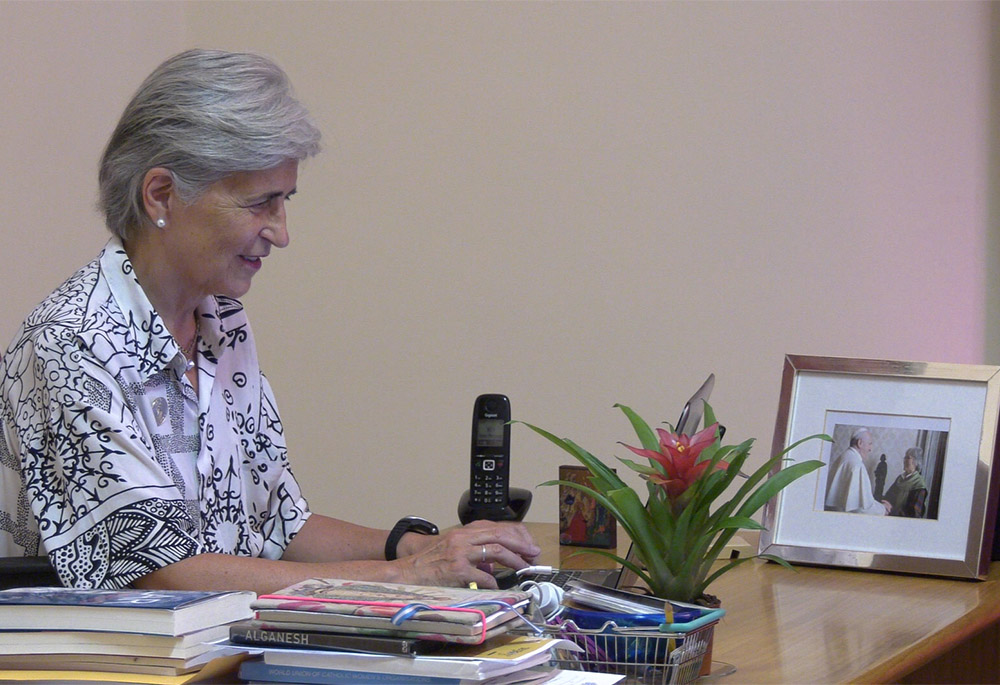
x,y
909,464
222,238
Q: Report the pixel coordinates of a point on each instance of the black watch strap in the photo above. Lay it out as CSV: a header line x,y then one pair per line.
x,y
407,524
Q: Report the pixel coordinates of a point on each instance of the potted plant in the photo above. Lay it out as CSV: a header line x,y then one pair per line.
x,y
683,525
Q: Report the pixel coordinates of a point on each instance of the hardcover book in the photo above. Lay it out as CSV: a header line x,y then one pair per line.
x,y
220,670
497,624
264,634
506,655
105,642
256,671
371,606
119,663
156,612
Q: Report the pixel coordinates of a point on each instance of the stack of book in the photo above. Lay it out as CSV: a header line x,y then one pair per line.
x,y
164,635
335,631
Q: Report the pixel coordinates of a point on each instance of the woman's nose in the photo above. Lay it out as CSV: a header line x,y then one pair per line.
x,y
276,230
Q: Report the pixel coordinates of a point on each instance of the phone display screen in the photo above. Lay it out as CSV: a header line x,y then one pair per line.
x,y
489,432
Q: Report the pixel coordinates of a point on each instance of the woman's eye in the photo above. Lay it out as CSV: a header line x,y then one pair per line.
x,y
268,203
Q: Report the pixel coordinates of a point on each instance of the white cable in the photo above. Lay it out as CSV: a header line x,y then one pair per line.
x,y
547,596
534,570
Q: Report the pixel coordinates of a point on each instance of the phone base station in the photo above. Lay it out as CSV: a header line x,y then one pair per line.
x,y
518,501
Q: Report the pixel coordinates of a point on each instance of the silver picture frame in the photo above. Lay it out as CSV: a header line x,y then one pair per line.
x,y
940,420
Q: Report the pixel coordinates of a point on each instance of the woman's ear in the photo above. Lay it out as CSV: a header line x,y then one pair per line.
x,y
157,189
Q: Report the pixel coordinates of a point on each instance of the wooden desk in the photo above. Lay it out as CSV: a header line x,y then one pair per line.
x,y
818,625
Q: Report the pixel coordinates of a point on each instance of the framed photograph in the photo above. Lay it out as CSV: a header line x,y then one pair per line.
x,y
909,482
582,521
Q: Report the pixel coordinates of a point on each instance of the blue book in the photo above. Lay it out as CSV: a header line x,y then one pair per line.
x,y
151,612
258,671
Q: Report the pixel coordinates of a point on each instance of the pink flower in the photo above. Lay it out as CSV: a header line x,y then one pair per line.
x,y
678,455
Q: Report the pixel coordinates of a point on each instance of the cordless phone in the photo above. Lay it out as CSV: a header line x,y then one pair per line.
x,y
489,487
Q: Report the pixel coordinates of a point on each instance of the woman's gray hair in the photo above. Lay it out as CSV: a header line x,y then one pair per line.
x,y
202,114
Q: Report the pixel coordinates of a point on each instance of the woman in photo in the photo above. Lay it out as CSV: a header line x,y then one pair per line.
x,y
908,493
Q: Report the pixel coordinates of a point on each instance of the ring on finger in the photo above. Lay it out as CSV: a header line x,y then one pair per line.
x,y
484,554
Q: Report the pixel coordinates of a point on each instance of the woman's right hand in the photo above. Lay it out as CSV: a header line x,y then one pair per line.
x,y
465,555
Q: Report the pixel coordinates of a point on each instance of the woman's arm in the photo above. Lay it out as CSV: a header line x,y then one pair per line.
x,y
331,548
229,572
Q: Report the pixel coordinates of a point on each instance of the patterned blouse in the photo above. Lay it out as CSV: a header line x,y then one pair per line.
x,y
110,462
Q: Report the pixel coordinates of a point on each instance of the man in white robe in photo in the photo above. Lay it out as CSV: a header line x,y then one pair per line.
x,y
849,487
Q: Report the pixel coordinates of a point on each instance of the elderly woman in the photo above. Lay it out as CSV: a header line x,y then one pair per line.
x,y
908,492
141,442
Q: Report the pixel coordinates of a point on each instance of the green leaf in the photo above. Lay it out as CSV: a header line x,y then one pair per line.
x,y
602,475
660,512
676,546
777,560
646,436
708,487
755,499
636,520
730,565
709,415
817,436
735,466
774,484
739,523
762,472
600,497
641,468
638,570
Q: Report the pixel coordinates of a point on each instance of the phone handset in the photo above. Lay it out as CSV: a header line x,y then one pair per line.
x,y
489,495
489,486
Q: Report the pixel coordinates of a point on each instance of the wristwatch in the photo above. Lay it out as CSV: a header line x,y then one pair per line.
x,y
407,524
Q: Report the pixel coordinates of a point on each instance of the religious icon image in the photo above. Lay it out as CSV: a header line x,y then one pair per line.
x,y
582,521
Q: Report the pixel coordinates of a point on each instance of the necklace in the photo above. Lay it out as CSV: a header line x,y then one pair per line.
x,y
188,350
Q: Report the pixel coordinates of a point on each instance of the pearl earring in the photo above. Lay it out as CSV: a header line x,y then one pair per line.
x,y
161,222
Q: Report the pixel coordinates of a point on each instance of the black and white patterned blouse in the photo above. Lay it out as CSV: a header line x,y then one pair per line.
x,y
110,462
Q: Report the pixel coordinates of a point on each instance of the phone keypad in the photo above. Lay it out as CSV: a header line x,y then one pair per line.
x,y
489,481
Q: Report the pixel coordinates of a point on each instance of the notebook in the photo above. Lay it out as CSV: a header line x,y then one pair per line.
x,y
622,578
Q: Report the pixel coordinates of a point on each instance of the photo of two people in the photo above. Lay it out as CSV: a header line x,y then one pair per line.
x,y
885,470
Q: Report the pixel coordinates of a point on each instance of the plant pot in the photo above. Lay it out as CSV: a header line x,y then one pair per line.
x,y
712,602
706,664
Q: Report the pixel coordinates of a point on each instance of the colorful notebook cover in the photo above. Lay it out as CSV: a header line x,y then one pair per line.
x,y
371,605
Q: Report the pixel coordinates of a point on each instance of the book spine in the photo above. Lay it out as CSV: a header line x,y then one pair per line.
x,y
260,671
298,638
274,623
416,627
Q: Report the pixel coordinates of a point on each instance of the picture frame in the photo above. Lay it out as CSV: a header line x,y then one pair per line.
x,y
582,521
937,426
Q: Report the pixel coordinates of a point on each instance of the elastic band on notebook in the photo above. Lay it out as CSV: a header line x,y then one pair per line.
x,y
408,611
390,605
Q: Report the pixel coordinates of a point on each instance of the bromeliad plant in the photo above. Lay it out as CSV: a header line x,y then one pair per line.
x,y
681,530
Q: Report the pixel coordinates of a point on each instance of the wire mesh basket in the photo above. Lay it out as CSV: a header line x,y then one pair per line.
x,y
644,655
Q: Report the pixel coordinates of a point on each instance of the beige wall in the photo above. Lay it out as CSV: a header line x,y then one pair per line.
x,y
575,204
